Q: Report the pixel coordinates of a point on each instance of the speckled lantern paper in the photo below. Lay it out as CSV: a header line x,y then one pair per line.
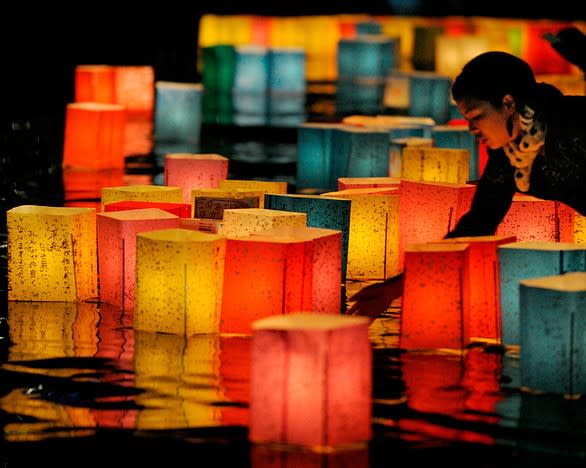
x,y
210,203
244,221
179,278
374,232
368,182
396,148
579,229
94,135
52,253
301,392
194,171
266,186
183,210
435,304
433,164
117,250
325,251
485,310
531,259
322,212
531,218
144,192
553,328
263,276
459,136
428,210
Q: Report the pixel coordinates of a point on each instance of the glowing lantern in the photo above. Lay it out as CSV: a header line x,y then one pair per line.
x,y
429,210
531,259
211,203
459,137
142,192
452,52
194,171
579,229
552,312
374,232
244,221
95,83
397,146
485,310
322,212
94,135
182,210
325,256
286,85
367,182
366,56
288,404
249,93
51,253
531,218
432,164
135,89
267,186
435,304
279,271
429,96
117,250
179,276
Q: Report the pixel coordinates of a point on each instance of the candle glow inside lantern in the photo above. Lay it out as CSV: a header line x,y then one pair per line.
x,y
397,146
179,278
117,250
94,135
374,232
311,381
432,164
194,171
51,253
531,259
244,221
95,83
211,203
142,192
183,210
325,251
552,315
435,304
278,269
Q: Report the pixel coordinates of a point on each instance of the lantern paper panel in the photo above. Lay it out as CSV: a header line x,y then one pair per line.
x,y
459,137
135,89
300,390
210,203
429,96
531,259
94,135
368,182
553,328
116,235
374,232
95,83
485,311
325,251
266,186
244,221
580,229
322,212
182,210
452,52
397,146
179,278
177,371
429,210
435,304
263,276
51,253
194,171
531,218
142,192
432,164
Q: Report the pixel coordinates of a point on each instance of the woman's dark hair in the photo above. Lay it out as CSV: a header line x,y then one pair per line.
x,y
491,75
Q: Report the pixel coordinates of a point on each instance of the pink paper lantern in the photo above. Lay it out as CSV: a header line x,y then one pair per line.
x,y
311,380
183,210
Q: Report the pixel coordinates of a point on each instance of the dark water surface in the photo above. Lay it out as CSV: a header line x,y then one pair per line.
x,y
79,387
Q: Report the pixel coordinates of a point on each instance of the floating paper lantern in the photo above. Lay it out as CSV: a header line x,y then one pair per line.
x,y
452,52
433,164
366,56
244,221
459,137
552,312
288,404
179,277
322,212
94,135
142,192
278,269
579,229
531,259
194,171
374,232
250,90
435,305
117,250
182,210
135,88
211,203
429,96
429,210
51,253
287,84
95,83
485,310
325,257
397,145
267,186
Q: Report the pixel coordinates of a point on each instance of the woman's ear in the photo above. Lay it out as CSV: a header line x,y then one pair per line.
x,y
509,103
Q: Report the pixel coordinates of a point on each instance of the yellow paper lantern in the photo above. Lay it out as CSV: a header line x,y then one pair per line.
x,y
142,192
433,164
266,186
244,221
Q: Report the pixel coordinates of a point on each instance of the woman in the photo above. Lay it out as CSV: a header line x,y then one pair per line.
x,y
536,143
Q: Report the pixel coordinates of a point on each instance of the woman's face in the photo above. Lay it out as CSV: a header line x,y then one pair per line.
x,y
486,122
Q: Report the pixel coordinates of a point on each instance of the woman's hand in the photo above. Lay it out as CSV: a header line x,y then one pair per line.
x,y
375,299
